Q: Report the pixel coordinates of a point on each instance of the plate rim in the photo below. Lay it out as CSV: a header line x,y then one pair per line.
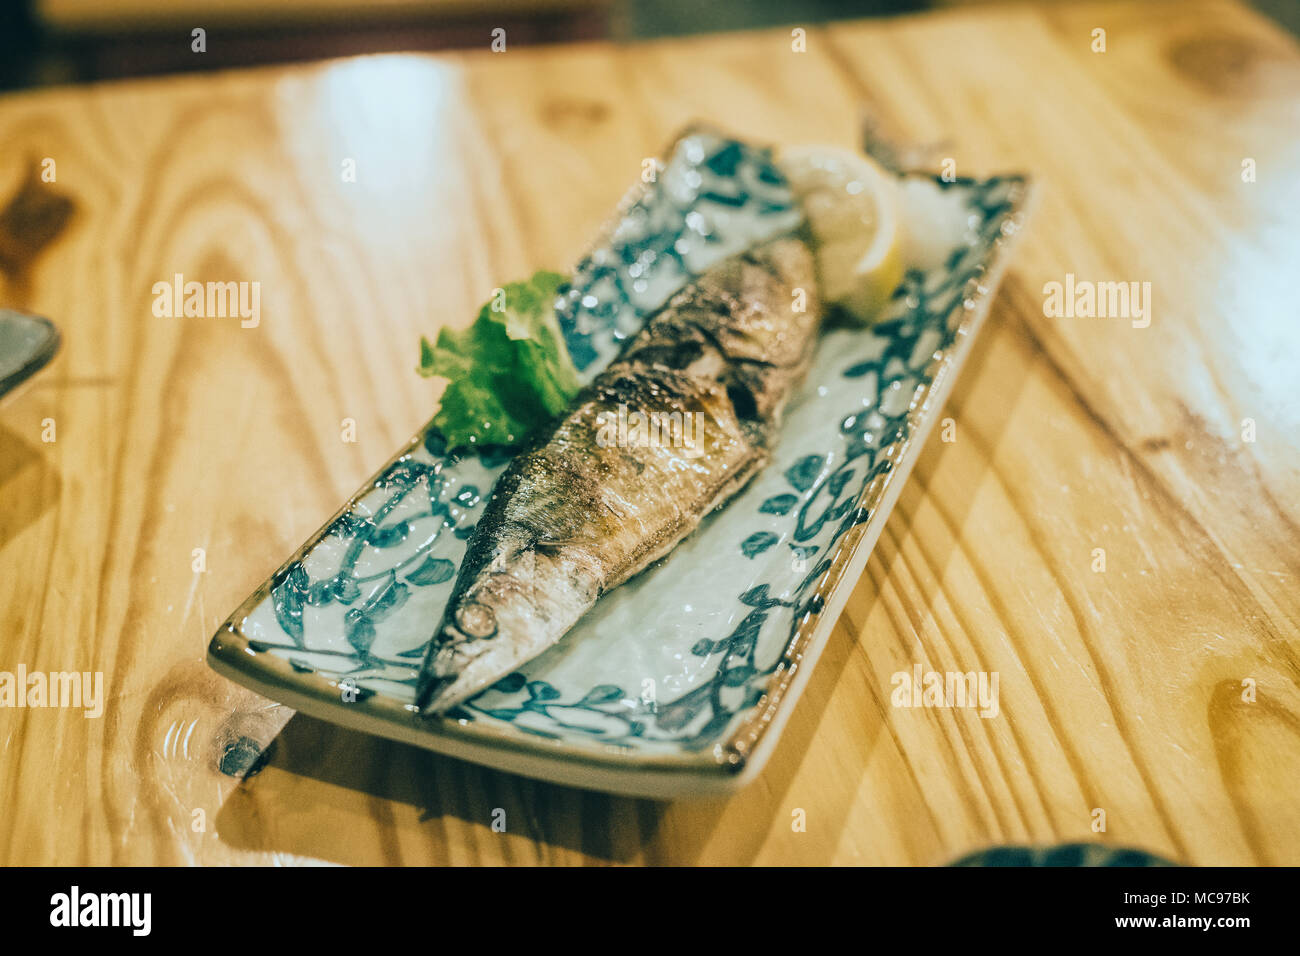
x,y
42,357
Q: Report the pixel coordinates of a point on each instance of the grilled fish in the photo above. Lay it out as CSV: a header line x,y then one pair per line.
x,y
591,503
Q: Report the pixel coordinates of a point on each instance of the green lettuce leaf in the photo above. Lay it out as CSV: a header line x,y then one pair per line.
x,y
509,373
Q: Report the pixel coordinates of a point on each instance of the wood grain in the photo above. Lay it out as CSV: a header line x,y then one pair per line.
x,y
1120,690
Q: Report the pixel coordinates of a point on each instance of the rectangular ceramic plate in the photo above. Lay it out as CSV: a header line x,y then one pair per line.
x,y
680,681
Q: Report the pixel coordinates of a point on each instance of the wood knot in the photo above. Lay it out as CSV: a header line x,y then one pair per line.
x,y
30,221
1233,64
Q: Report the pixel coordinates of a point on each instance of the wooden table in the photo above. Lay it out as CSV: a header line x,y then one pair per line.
x,y
1121,690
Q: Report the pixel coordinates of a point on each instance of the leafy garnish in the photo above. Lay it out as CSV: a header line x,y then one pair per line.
x,y
509,372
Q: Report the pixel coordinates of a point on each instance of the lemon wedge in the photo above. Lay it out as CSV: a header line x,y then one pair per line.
x,y
852,206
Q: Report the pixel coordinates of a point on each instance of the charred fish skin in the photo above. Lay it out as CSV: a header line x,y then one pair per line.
x,y
576,515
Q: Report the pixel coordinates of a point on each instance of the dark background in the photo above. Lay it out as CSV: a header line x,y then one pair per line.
x,y
45,42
